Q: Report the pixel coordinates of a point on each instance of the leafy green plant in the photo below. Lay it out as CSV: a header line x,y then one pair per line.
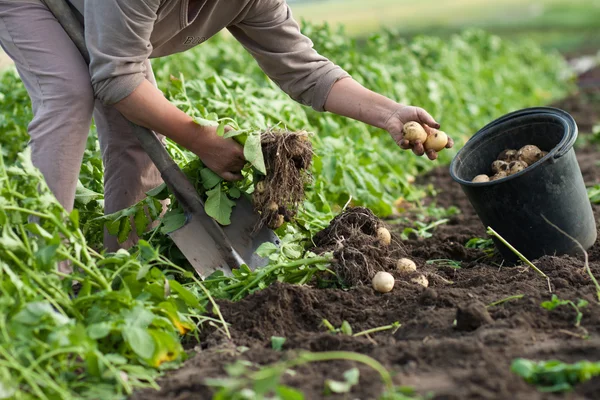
x,y
554,375
245,381
487,245
557,302
421,229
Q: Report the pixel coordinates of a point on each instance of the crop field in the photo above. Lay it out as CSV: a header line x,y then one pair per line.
x,y
141,324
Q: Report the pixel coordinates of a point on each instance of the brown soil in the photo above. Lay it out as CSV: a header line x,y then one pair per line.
x,y
468,361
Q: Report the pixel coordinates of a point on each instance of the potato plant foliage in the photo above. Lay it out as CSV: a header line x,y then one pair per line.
x,y
117,320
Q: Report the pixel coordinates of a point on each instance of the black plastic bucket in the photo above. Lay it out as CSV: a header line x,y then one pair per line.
x,y
553,187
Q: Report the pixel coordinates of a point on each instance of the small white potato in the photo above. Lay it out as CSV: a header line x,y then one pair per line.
x,y
481,178
406,265
384,236
420,280
383,282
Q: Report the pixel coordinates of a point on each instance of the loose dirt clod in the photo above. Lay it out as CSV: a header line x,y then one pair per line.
x,y
288,157
471,316
358,252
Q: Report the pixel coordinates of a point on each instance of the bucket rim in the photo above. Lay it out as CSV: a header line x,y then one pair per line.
x,y
558,151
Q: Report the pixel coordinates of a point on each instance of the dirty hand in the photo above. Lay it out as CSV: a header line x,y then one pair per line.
x,y
225,157
404,114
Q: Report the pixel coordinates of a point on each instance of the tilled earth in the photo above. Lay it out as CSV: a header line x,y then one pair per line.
x,y
428,352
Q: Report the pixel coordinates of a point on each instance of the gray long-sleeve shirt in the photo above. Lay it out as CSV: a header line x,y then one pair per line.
x,y
122,34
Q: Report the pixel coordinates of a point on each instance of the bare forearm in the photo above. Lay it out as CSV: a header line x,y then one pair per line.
x,y
350,99
147,107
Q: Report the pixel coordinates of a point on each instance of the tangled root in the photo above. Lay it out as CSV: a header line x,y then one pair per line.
x,y
358,253
288,158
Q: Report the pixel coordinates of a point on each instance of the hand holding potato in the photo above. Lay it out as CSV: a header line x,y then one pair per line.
x,y
413,127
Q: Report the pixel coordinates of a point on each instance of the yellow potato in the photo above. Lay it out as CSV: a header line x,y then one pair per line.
x,y
437,141
530,154
481,178
499,165
499,175
383,282
413,131
384,236
406,265
516,166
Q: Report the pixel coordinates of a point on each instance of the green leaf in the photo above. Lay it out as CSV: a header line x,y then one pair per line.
x,y
288,393
235,193
124,230
173,220
113,227
205,122
268,383
219,206
84,195
351,378
346,328
138,317
277,342
140,341
209,178
45,256
99,330
185,294
74,217
160,192
266,249
582,303
253,152
141,221
522,367
221,129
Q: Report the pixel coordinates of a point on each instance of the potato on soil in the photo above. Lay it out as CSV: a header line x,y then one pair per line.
x,y
384,236
499,165
481,178
406,265
499,175
383,282
508,155
357,252
288,158
420,280
530,154
413,132
516,166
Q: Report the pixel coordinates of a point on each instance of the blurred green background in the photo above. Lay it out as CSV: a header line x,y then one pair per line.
x,y
566,25
571,26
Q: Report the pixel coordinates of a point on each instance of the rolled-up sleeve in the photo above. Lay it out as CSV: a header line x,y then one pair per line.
x,y
117,35
273,37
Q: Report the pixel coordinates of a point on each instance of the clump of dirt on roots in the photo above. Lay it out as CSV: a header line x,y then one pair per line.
x,y
358,253
288,157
